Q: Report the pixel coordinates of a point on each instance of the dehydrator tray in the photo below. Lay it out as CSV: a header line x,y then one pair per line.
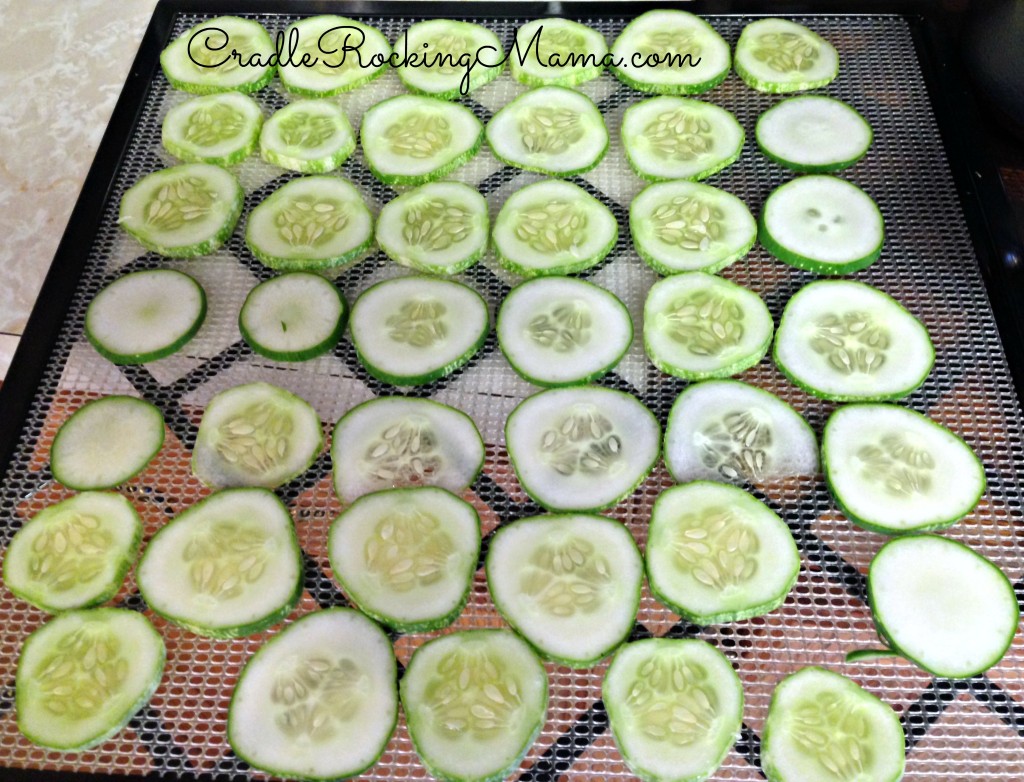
x,y
955,730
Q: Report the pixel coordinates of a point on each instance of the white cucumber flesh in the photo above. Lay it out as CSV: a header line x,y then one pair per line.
x,y
457,57
777,55
334,54
201,60
293,317
222,129
310,136
557,51
813,134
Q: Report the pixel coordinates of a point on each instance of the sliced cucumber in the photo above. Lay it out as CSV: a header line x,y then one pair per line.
x,y
553,130
847,341
777,55
565,53
671,52
438,228
412,140
680,138
456,57
182,211
74,554
395,441
311,136
412,330
569,584
255,435
220,129
685,226
822,726
698,326
582,448
724,430
145,316
293,317
813,134
475,701
220,55
333,55
675,708
553,227
83,675
318,701
106,442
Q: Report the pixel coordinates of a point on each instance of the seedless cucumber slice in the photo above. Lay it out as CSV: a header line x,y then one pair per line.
x,y
813,134
202,60
675,708
475,701
145,316
569,584
221,129
318,701
846,341
412,330
553,227
74,554
293,317
311,136
581,448
776,55
457,57
565,53
83,675
698,326
341,54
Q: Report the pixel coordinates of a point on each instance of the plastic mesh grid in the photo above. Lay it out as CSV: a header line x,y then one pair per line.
x,y
955,730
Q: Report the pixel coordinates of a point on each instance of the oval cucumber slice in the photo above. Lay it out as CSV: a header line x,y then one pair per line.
x,y
310,136
569,584
565,53
294,317
457,58
220,129
201,60
340,55
813,134
777,55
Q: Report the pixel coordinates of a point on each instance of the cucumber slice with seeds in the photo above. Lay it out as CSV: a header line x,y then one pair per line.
x,y
777,55
220,129
446,45
293,317
311,136
566,53
201,60
341,54
813,134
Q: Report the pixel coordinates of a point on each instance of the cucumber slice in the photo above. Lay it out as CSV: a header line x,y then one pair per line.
x,y
846,341
182,211
670,52
776,55
438,228
293,317
411,330
715,554
583,448
569,584
553,227
475,701
725,430
680,138
220,129
560,331
311,136
684,226
456,58
675,708
83,675
74,554
813,134
145,316
698,326
318,701
565,53
407,557
822,224
106,442
552,130
823,726
892,470
255,435
412,140
395,441
203,59
340,54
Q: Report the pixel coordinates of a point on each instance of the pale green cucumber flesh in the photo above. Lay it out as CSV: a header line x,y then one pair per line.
x,y
332,66
557,51
445,44
222,129
813,134
293,317
309,136
200,59
778,56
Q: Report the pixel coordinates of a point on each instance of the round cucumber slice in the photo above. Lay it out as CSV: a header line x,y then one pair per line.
x,y
671,52
255,435
412,330
456,58
553,227
84,674
552,130
685,226
698,326
560,331
823,726
846,341
74,554
203,59
569,584
813,134
725,430
583,448
310,136
557,51
475,701
294,317
145,316
679,138
220,129
407,557
318,701
333,54
675,708
777,55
